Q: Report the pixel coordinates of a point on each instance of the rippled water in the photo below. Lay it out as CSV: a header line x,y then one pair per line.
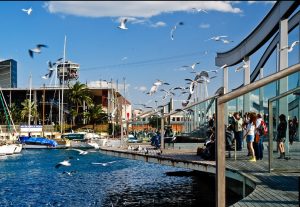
x,y
31,179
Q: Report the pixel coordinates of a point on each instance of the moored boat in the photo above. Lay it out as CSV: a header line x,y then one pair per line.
x,y
81,140
37,142
7,149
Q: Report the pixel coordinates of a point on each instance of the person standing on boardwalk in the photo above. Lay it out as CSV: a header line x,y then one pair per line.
x,y
259,137
238,130
281,135
250,135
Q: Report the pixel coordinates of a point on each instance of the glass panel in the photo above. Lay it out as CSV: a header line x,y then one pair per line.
x,y
286,145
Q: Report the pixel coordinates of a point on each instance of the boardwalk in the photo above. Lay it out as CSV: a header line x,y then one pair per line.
x,y
271,189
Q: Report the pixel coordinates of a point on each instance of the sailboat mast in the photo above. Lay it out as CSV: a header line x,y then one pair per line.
x,y
29,102
62,89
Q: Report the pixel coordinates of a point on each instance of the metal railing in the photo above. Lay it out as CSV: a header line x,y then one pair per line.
x,y
220,125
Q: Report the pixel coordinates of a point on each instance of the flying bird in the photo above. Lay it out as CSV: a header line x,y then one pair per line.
x,y
193,66
28,11
290,48
226,41
244,66
174,28
103,163
217,38
113,113
63,163
38,49
223,66
200,10
81,152
69,173
123,24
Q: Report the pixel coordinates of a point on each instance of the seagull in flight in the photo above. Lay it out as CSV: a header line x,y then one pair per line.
x,y
217,38
290,48
200,10
174,28
244,66
38,49
81,152
193,66
224,66
63,163
69,173
226,41
28,11
122,24
103,163
113,113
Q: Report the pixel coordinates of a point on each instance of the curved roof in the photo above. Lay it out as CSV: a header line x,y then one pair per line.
x,y
259,36
292,23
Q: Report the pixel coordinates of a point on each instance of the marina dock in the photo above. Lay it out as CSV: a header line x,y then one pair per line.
x,y
269,189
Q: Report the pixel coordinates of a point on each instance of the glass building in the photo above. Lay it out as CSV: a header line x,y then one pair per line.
x,y
8,74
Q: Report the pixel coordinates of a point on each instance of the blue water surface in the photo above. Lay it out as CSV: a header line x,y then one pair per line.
x,y
31,179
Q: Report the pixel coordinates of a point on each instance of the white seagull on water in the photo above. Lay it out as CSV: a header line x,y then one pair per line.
x,y
28,11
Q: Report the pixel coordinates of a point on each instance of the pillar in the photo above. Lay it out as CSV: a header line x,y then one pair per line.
x,y
261,93
246,97
283,64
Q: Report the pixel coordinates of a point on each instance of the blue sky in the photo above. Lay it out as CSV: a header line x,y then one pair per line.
x,y
141,54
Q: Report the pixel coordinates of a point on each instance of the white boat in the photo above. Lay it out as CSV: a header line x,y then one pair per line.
x,y
18,148
81,140
7,149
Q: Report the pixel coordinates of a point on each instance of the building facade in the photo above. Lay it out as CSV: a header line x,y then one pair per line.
x,y
8,74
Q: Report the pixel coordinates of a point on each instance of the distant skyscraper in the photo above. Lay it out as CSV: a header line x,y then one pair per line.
x,y
8,74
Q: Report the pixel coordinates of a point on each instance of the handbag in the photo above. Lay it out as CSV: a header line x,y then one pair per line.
x,y
256,138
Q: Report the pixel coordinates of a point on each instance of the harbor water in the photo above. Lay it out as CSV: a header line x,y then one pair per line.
x,y
94,179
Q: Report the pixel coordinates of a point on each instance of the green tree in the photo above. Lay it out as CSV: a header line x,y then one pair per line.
x,y
94,114
27,104
155,121
78,94
15,113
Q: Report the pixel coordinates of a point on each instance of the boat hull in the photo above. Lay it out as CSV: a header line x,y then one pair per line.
x,y
8,149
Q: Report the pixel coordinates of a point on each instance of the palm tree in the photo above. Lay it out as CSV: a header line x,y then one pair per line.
x,y
94,114
78,94
27,104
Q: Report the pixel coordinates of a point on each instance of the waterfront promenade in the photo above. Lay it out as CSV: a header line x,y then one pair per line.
x,y
270,189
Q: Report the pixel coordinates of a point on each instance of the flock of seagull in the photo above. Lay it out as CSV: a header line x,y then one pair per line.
x,y
201,77
67,162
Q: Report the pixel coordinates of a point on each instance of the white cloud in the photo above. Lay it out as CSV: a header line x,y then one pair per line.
x,y
158,24
264,2
141,9
141,88
204,26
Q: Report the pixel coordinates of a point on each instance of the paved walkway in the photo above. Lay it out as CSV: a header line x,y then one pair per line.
x,y
272,189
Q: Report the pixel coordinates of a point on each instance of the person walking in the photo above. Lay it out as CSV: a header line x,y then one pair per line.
x,y
281,135
238,130
250,136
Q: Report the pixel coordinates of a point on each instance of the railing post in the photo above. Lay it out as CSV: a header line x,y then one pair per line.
x,y
162,139
225,85
270,106
220,155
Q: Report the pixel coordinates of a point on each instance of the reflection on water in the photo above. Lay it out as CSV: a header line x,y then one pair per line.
x,y
32,180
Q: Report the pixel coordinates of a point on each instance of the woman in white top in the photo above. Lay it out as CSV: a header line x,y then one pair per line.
x,y
251,126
